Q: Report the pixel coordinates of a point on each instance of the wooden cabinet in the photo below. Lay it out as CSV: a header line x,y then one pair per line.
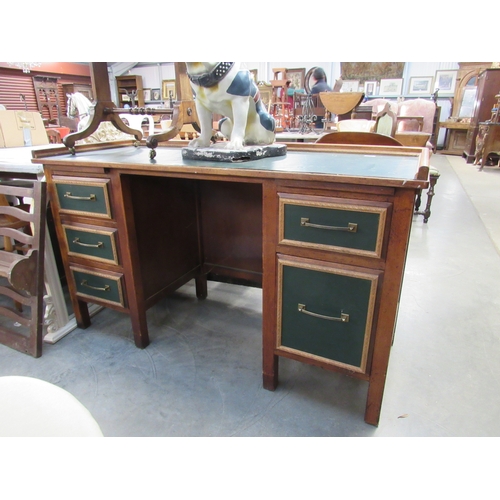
x,y
133,85
323,230
488,86
83,88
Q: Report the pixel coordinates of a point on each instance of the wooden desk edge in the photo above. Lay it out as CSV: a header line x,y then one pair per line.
x,y
420,180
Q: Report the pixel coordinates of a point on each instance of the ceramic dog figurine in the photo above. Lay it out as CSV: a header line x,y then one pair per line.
x,y
225,89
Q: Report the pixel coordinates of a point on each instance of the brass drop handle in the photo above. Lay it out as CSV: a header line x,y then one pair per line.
x,y
106,288
344,318
68,194
351,227
78,242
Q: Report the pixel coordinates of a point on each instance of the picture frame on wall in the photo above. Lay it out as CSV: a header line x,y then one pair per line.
x,y
155,94
168,89
420,85
350,86
147,95
370,88
445,81
296,77
391,87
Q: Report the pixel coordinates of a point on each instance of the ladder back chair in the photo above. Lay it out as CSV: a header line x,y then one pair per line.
x,y
22,270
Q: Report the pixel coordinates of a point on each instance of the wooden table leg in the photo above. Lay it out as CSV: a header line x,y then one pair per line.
x,y
139,326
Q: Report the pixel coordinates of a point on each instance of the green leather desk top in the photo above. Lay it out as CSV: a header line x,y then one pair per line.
x,y
396,169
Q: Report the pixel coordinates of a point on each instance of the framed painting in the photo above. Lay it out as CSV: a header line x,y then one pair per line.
x,y
370,88
390,86
155,95
420,85
254,74
168,90
266,94
297,77
147,95
350,86
445,82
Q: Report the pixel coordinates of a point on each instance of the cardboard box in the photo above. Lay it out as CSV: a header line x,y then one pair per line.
x,y
21,128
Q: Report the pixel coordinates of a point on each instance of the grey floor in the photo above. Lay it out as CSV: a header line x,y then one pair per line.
x,y
201,375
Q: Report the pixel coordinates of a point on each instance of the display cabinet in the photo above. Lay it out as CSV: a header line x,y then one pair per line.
x,y
127,86
488,86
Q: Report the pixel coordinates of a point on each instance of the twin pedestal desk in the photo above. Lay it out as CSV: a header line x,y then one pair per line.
x,y
323,230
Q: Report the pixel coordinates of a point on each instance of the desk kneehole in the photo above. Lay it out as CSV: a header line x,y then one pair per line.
x,y
326,312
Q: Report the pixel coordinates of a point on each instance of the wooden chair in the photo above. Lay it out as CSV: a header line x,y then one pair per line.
x,y
22,273
54,136
386,122
366,138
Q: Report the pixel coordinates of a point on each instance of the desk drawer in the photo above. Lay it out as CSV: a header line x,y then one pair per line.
x,y
83,197
326,313
104,286
348,226
92,243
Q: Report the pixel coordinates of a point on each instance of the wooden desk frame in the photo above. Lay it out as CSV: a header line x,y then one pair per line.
x,y
193,196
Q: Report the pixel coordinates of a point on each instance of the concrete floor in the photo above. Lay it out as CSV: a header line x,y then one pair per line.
x,y
201,375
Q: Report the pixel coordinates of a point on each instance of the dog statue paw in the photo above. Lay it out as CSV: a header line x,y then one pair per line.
x,y
225,89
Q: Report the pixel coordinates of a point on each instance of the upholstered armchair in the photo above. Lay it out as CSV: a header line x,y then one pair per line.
x,y
379,104
418,108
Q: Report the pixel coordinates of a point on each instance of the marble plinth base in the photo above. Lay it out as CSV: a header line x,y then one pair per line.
x,y
219,153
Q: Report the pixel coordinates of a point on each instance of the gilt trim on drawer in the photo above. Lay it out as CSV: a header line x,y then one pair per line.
x,y
341,322
341,206
104,278
69,203
88,250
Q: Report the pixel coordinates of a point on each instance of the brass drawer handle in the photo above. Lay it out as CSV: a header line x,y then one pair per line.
x,y
78,242
351,227
68,194
105,289
344,318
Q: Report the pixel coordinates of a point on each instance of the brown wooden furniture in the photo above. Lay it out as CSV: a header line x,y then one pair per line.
x,y
83,88
366,138
23,273
340,103
386,122
490,142
413,139
374,139
47,99
54,136
324,231
488,86
455,137
184,111
127,86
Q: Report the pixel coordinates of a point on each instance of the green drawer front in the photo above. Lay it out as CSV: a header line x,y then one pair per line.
x,y
98,245
331,295
91,198
99,286
365,237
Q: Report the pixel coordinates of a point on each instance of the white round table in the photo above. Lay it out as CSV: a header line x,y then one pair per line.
x,y
31,407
